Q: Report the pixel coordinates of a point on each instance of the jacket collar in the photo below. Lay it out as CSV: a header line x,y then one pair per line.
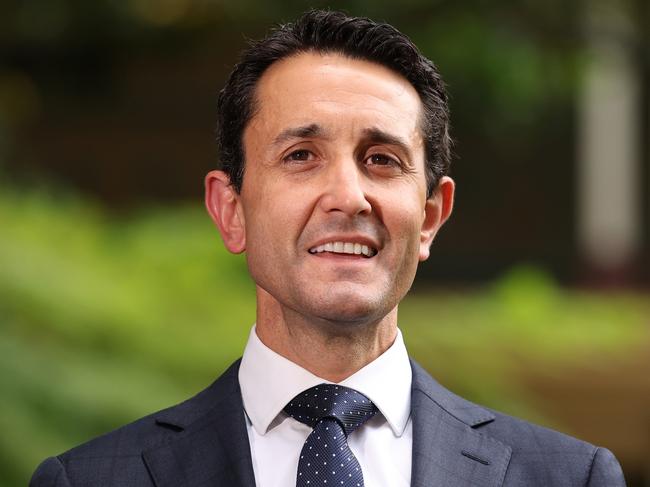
x,y
448,448
211,447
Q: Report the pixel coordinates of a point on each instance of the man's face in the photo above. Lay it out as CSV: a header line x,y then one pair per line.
x,y
333,202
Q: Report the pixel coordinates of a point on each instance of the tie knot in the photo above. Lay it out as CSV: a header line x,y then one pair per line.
x,y
349,407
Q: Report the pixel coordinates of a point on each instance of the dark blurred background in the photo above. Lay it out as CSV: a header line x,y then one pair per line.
x,y
117,297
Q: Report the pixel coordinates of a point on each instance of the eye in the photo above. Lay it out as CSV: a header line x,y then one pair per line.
x,y
299,155
382,160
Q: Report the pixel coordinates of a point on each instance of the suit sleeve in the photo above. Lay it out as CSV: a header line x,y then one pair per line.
x,y
50,473
605,470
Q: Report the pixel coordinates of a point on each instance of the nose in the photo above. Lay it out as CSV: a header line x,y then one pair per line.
x,y
344,190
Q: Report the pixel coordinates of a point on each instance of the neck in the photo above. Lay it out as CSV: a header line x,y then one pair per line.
x,y
332,351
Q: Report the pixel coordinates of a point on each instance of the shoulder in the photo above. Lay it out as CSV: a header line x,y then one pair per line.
x,y
111,459
116,458
531,455
549,455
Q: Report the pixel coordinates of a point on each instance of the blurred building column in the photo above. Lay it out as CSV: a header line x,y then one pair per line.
x,y
609,144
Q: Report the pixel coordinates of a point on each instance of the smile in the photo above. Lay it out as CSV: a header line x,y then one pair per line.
x,y
344,248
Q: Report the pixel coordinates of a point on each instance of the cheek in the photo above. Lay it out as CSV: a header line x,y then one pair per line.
x,y
407,219
275,215
265,252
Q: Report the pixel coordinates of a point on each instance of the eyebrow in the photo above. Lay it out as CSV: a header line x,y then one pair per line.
x,y
305,131
378,136
371,135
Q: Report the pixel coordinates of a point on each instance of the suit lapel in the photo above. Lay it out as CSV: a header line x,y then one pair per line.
x,y
210,447
448,451
207,444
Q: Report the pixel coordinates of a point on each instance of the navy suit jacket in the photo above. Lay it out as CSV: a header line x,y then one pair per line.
x,y
203,442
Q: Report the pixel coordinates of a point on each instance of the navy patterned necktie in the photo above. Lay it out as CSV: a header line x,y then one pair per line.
x,y
334,412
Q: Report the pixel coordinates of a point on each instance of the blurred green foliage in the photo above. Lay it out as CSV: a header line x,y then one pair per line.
x,y
105,318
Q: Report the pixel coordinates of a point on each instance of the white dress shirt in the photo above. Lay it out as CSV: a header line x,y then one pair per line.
x,y
382,445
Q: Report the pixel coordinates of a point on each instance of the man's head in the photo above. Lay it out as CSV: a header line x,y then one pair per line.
x,y
357,38
336,206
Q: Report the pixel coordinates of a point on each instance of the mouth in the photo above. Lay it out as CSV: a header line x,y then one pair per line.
x,y
345,248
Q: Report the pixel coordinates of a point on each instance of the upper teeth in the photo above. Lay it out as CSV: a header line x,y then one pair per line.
x,y
344,248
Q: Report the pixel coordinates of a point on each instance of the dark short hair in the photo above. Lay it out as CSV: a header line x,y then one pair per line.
x,y
325,32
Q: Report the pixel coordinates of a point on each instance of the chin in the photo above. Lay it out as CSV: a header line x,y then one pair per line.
x,y
351,310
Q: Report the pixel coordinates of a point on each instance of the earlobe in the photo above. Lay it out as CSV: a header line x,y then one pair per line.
x,y
224,206
436,212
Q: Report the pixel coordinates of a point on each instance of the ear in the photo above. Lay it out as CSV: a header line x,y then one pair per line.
x,y
436,212
224,206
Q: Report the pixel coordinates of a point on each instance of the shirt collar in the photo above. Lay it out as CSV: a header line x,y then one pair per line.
x,y
269,381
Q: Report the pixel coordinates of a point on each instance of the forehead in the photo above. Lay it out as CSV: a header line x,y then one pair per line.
x,y
340,93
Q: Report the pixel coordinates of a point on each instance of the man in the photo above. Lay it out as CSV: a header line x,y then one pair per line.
x,y
334,145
